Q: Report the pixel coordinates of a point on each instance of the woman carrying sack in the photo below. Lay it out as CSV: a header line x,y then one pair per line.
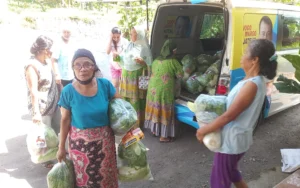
x,y
43,92
135,60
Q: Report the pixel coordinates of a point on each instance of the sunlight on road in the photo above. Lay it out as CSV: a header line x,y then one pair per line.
x,y
8,181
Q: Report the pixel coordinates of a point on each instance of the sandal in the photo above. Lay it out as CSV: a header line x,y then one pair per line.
x,y
166,140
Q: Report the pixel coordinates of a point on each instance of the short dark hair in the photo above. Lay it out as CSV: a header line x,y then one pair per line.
x,y
264,50
116,30
41,43
266,20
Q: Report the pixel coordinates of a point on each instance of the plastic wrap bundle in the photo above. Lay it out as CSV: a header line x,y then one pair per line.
x,y
207,109
42,143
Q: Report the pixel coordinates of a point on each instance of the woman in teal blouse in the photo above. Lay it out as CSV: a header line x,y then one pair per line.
x,y
84,108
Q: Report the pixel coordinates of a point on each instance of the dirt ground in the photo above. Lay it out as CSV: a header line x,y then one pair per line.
x,y
182,164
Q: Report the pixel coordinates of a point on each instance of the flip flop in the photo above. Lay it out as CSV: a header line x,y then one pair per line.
x,y
167,140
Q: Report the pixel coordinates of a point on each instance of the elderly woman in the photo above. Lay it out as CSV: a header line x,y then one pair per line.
x,y
43,92
243,107
136,59
84,107
160,113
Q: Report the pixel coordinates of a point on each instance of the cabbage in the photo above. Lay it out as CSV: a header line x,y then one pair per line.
x,y
209,107
206,78
202,68
122,116
127,174
204,59
193,85
135,154
188,64
42,143
61,175
213,82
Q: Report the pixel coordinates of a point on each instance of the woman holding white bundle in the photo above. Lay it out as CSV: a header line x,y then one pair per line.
x,y
243,108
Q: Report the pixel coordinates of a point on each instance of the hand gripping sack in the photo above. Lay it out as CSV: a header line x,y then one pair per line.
x,y
122,116
42,143
62,175
207,109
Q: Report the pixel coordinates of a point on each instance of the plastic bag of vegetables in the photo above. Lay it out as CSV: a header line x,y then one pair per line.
x,y
62,175
208,108
42,143
122,116
132,163
193,85
189,64
204,59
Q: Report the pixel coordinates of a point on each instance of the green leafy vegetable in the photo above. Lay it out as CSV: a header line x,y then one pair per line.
x,y
285,85
61,175
122,116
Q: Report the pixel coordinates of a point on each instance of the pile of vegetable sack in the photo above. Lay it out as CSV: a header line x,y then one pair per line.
x,y
208,108
201,73
62,175
132,160
42,143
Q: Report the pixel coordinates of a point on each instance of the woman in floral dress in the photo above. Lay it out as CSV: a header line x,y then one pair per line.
x,y
160,110
135,59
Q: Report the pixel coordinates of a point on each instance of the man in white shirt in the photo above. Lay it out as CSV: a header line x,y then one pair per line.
x,y
63,52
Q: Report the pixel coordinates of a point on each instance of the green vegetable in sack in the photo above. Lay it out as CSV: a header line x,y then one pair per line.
x,y
205,78
215,67
122,116
204,59
201,69
210,90
135,155
49,155
61,175
213,82
188,64
51,137
127,174
192,84
216,104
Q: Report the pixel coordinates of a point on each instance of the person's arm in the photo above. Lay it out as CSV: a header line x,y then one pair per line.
x,y
32,82
55,70
242,101
108,49
65,125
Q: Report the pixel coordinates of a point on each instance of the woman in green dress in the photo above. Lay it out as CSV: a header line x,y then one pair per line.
x,y
160,111
136,58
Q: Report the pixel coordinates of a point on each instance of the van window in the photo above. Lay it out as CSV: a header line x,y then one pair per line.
x,y
212,26
291,32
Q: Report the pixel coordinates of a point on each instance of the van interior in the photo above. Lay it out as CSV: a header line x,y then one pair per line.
x,y
196,28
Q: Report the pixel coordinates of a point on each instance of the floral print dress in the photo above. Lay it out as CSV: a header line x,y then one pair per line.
x,y
160,111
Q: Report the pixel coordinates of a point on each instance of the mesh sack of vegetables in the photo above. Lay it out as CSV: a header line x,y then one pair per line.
x,y
62,175
132,163
193,85
122,116
205,78
42,143
205,60
208,108
189,64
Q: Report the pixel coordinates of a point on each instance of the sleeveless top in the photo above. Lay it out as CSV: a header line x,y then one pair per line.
x,y
48,93
237,135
